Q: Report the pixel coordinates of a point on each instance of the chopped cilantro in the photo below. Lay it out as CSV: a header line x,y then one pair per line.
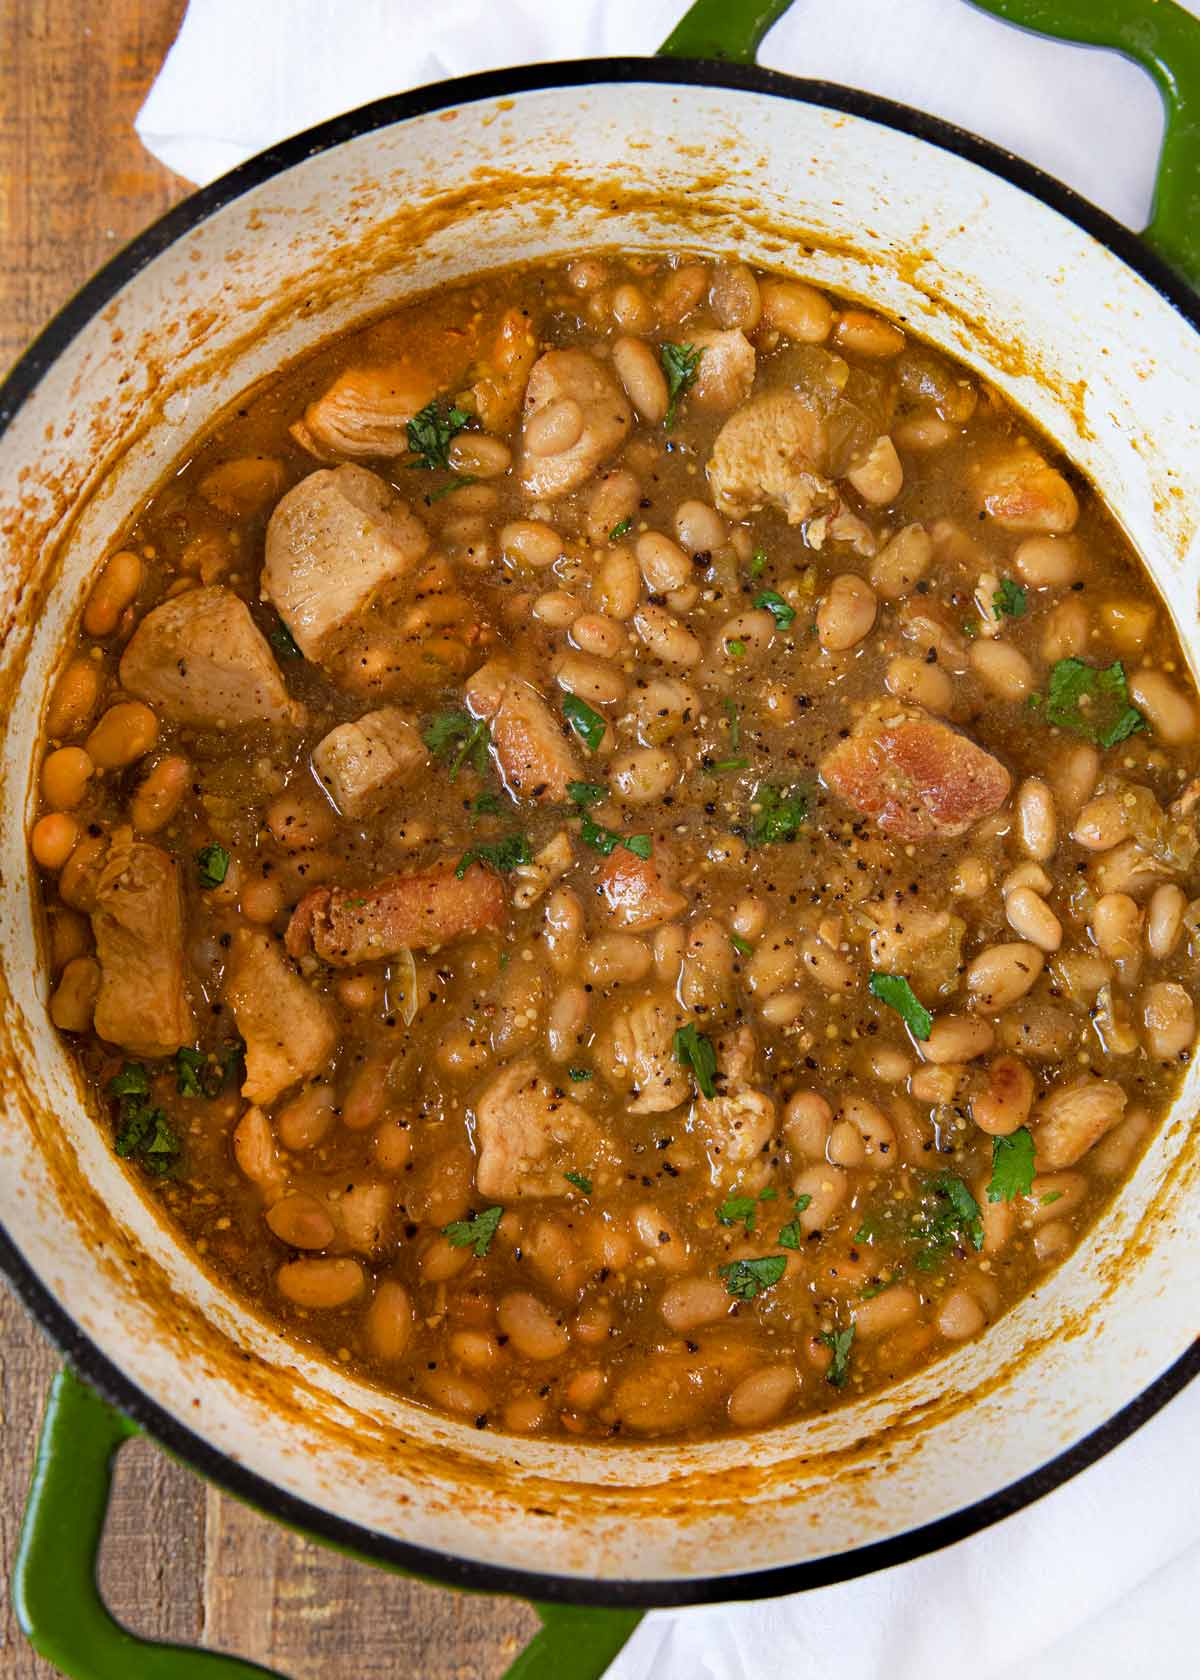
x,y
284,643
212,865
503,856
944,1216
198,1076
777,607
742,946
1010,600
132,1081
458,483
606,840
758,562
791,1236
189,1067
621,529
584,794
839,1343
680,363
586,723
895,991
485,805
475,1231
581,1181
579,1073
735,722
143,1133
746,1279
456,738
735,648
781,813
1092,701
970,628
742,1210
430,435
1049,1197
1012,1166
719,765
694,1051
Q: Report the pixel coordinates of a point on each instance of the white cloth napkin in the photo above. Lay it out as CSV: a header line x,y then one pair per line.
x,y
1102,1578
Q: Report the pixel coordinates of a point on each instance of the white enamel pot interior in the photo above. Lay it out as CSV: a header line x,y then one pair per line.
x,y
977,254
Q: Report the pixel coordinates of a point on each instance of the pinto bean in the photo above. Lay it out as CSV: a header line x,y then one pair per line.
x,y
691,1301
532,1328
389,1322
113,591
320,1284
74,699
759,1398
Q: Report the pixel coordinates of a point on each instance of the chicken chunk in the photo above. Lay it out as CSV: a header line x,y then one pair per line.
x,y
200,660
335,540
532,747
737,1124
636,1054
530,1134
244,485
402,912
923,944
725,372
1023,492
550,864
290,1032
918,778
604,416
363,763
137,921
1069,1120
772,452
637,892
365,413
502,377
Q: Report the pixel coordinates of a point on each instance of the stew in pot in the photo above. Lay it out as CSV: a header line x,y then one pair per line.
x,y
620,850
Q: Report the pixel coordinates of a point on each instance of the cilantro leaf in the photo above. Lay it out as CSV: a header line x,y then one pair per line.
x,y
475,1231
1092,701
212,865
792,1236
284,643
738,1210
430,435
944,1216
745,1279
736,648
579,1073
459,482
680,363
606,840
586,723
694,1051
584,794
1013,1169
456,738
895,991
581,1181
777,607
132,1081
735,722
189,1067
839,1342
758,562
781,813
142,1132
502,855
1010,600
621,529
742,946
485,805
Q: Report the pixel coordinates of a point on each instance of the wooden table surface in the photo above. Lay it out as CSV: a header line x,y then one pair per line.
x,y
180,1561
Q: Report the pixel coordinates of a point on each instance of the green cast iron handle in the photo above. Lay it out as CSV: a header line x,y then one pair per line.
x,y
1157,34
54,1582
58,1602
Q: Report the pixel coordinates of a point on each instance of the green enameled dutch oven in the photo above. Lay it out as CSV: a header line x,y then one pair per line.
x,y
1091,330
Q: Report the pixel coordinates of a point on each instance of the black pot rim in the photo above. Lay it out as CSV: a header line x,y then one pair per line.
x,y
86,1358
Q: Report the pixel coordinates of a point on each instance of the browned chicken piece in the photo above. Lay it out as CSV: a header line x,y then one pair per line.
x,y
244,485
362,764
772,453
502,377
908,938
637,893
635,1053
402,912
927,625
530,1134
336,540
365,413
200,660
137,921
290,1032
594,412
1070,1119
532,746
1022,492
737,1124
917,778
725,372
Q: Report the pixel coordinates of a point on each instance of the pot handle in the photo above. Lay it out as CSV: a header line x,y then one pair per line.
x,y
54,1588
1165,40
60,1610
1157,34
